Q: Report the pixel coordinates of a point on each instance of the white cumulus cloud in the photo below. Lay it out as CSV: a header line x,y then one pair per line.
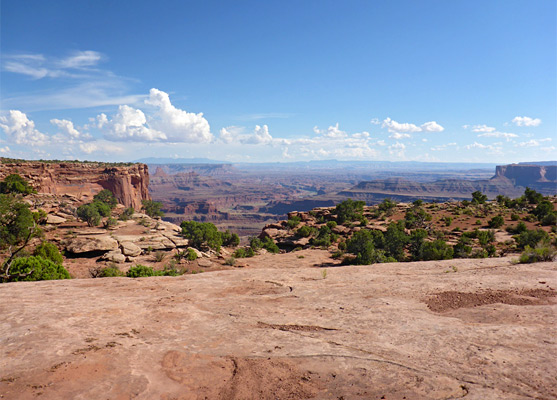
x,y
176,124
234,134
21,130
332,132
432,126
89,148
128,124
67,128
396,127
505,135
481,128
526,121
397,136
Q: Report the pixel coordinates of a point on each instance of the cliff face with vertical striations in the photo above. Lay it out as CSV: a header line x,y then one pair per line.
x,y
129,183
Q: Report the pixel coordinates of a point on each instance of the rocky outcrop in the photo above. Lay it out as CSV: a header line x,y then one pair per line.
x,y
129,183
542,178
87,244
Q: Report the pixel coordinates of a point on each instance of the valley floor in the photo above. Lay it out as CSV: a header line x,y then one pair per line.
x,y
283,328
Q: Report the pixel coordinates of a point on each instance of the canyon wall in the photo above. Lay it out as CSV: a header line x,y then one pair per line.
x,y
129,183
542,178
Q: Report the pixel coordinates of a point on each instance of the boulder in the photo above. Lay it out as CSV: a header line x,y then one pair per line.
x,y
130,249
204,262
91,243
114,256
302,242
156,242
55,220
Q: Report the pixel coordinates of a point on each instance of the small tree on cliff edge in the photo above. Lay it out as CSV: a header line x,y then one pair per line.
x,y
152,208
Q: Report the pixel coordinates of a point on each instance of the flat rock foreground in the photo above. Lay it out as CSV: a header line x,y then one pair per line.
x,y
282,328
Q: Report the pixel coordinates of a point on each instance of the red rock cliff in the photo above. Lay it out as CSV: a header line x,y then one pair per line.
x,y
129,183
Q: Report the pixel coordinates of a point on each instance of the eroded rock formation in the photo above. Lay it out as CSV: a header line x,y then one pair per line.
x,y
129,183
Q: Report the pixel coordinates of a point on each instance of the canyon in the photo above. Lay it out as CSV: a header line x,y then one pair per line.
x,y
244,197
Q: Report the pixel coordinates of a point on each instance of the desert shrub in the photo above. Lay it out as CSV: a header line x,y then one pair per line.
x,y
332,224
230,239
202,235
496,222
447,220
35,268
191,255
515,217
537,254
110,222
127,214
478,197
436,250
16,221
107,197
89,213
306,231
532,197
49,251
485,237
171,270
14,183
159,255
269,245
152,208
462,248
550,219
110,272
240,253
293,221
519,228
39,216
103,208
361,245
531,238
543,209
230,261
416,217
502,200
387,206
416,243
349,210
254,242
479,253
395,240
139,271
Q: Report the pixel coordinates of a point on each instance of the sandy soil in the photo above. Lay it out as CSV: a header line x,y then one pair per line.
x,y
281,328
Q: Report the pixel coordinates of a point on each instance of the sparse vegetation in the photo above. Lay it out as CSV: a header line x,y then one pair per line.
x,y
152,208
15,184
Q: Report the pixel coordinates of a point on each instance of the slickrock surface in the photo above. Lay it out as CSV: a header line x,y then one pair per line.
x,y
280,328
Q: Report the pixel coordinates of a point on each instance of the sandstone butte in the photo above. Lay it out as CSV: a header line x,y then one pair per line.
x,y
129,183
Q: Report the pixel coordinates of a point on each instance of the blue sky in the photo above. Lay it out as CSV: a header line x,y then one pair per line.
x,y
467,81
